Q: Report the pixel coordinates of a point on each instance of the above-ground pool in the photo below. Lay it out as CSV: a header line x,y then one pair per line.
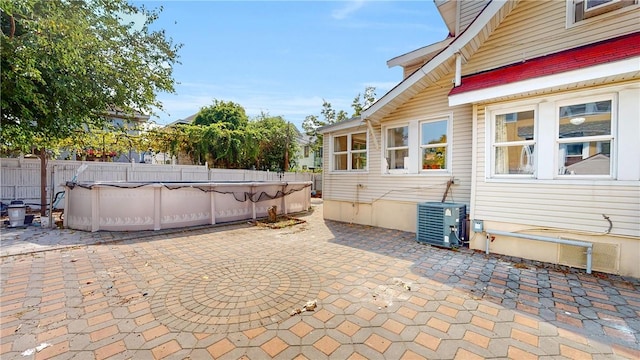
x,y
132,206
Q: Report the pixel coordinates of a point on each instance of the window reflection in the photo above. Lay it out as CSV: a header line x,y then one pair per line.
x,y
584,139
514,143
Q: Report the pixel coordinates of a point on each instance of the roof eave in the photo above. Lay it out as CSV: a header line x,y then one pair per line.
x,y
447,10
484,24
342,125
425,54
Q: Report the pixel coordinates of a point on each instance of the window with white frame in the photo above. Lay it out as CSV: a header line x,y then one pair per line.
x,y
350,152
433,144
397,148
579,10
513,143
584,138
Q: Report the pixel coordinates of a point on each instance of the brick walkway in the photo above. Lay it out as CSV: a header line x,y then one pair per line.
x,y
231,292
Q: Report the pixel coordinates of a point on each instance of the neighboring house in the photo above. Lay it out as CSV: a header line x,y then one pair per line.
x,y
308,159
133,124
186,121
180,159
527,113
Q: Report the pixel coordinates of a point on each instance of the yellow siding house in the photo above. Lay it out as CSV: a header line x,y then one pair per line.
x,y
528,113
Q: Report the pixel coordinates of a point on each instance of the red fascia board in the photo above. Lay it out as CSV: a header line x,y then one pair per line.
x,y
598,53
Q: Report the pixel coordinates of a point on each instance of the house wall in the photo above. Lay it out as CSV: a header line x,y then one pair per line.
x,y
466,12
408,70
537,28
545,205
565,207
306,162
469,10
389,200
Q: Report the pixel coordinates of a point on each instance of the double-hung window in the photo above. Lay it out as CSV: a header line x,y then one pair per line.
x,y
584,138
433,144
513,146
397,148
350,152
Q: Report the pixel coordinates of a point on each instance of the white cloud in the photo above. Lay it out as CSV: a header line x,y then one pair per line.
x,y
349,8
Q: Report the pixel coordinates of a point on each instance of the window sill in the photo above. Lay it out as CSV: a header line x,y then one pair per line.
x,y
563,181
348,172
431,173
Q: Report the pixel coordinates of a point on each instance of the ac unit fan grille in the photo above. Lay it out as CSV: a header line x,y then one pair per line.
x,y
434,223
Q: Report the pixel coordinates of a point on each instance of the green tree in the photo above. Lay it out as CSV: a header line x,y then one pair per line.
x,y
224,145
312,123
225,112
276,139
223,126
66,63
104,144
369,98
170,140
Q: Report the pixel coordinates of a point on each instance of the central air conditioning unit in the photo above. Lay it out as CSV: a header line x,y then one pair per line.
x,y
441,224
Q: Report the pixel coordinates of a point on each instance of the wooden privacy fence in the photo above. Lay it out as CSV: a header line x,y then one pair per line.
x,y
20,178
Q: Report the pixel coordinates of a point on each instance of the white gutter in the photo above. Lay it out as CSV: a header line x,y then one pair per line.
x,y
469,34
342,125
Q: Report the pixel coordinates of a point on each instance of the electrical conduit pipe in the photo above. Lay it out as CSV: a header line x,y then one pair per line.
x,y
585,244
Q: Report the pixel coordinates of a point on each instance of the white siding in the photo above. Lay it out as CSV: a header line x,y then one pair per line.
x,y
411,188
408,70
469,9
577,206
536,28
533,29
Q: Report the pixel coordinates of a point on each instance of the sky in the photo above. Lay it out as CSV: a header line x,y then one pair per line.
x,y
283,58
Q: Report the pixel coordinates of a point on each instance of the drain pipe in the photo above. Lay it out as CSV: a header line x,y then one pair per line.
x,y
585,244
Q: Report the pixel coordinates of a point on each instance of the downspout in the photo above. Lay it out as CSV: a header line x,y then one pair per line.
x,y
458,78
474,162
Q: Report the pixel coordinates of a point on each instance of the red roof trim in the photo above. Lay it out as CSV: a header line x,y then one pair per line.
x,y
581,57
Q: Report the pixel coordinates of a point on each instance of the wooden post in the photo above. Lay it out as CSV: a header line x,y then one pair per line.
x,y
272,213
43,182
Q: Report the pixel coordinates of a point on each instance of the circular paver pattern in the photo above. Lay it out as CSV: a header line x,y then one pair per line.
x,y
235,295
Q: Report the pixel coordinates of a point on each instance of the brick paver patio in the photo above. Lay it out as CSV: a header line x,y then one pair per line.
x,y
231,292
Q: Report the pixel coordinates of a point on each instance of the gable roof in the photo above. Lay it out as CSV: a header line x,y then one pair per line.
x,y
448,11
186,121
602,52
444,62
117,113
424,54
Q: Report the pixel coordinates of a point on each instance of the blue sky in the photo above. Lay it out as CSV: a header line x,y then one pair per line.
x,y
284,57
